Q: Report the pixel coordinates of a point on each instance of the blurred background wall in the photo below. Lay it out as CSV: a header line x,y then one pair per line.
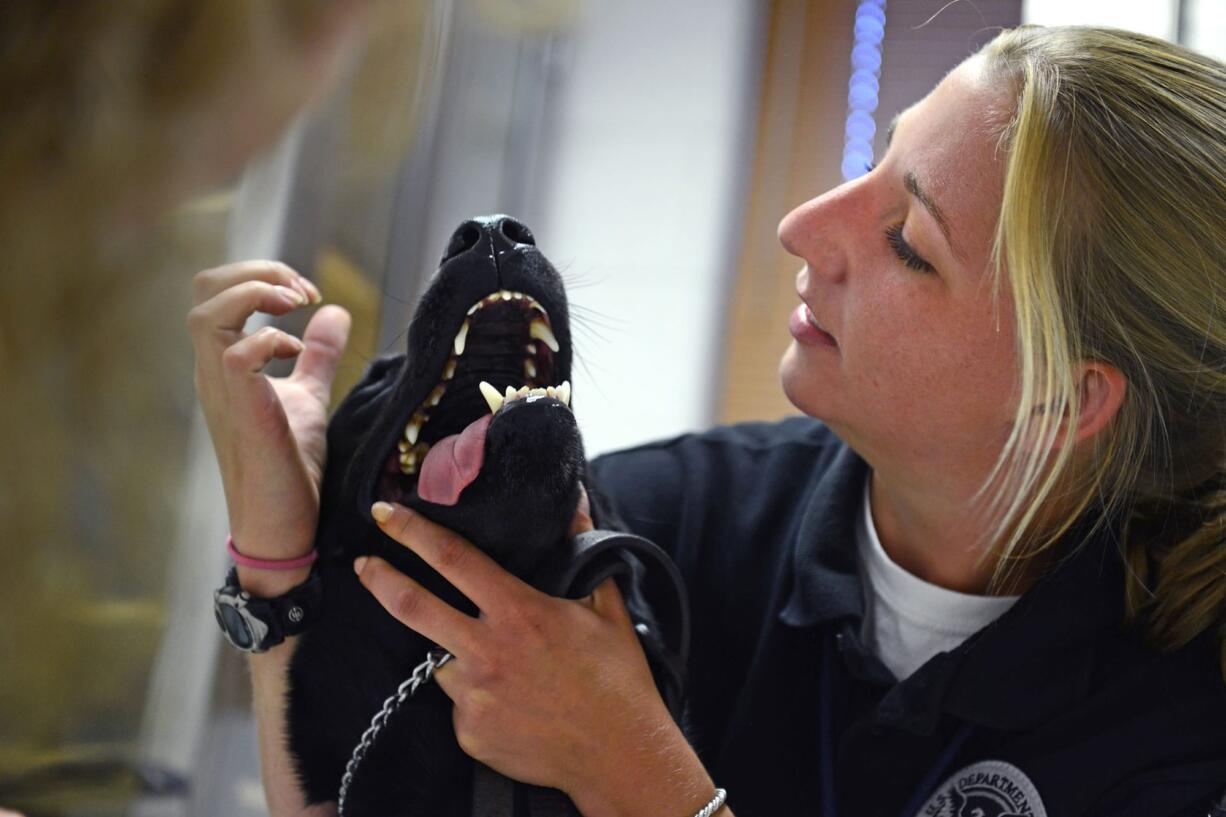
x,y
652,148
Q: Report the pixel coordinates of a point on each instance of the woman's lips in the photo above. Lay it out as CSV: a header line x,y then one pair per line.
x,y
802,326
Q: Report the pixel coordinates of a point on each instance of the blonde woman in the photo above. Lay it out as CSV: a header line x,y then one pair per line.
x,y
987,573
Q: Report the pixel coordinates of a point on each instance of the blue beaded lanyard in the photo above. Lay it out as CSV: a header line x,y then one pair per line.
x,y
826,730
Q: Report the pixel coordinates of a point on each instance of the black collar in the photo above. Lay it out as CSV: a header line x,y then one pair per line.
x,y
1031,663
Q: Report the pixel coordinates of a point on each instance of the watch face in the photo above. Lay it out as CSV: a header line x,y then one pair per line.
x,y
235,626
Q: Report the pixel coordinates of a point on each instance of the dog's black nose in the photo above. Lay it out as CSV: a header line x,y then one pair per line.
x,y
486,232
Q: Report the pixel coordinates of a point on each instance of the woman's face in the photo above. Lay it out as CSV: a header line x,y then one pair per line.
x,y
896,269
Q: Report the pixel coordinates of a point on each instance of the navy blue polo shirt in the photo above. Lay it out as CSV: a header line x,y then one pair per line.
x,y
1056,708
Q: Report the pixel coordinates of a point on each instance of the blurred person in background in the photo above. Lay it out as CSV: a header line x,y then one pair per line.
x,y
110,116
1017,418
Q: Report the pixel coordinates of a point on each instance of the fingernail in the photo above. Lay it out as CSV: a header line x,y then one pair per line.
x,y
358,564
381,511
291,295
312,291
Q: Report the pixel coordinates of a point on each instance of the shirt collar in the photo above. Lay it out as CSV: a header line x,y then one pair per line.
x,y
1032,662
826,582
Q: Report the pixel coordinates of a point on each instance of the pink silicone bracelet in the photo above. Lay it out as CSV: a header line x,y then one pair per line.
x,y
268,564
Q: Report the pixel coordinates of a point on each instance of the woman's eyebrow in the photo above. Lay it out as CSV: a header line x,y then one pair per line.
x,y
913,187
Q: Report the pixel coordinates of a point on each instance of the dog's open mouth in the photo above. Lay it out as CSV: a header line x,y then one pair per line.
x,y
504,351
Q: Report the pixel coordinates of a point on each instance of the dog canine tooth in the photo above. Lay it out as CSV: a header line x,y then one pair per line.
x,y
529,369
414,426
564,392
460,337
541,331
491,396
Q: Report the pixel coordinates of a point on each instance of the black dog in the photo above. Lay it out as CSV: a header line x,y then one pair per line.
x,y
418,430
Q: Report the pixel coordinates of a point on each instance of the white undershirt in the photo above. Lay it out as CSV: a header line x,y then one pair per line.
x,y
906,619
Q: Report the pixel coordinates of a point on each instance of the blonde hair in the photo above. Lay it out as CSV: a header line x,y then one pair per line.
x,y
1112,231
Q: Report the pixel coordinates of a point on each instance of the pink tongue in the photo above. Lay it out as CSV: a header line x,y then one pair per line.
x,y
452,463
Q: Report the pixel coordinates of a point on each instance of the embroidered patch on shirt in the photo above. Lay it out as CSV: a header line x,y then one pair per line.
x,y
991,788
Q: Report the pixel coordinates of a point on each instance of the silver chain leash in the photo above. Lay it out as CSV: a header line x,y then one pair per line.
x,y
420,675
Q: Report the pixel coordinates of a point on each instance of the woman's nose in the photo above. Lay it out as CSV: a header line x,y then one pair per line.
x,y
790,230
821,228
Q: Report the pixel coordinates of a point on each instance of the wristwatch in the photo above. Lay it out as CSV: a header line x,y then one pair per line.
x,y
257,625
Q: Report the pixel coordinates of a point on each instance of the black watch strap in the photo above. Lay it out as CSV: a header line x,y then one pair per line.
x,y
256,625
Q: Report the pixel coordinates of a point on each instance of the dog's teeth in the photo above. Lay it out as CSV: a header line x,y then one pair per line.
x,y
551,391
510,395
506,294
564,392
460,337
541,331
523,391
529,369
404,446
491,396
449,369
530,348
413,429
436,396
475,307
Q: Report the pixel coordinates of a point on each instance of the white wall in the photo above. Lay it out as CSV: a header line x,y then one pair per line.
x,y
1204,20
642,206
1153,17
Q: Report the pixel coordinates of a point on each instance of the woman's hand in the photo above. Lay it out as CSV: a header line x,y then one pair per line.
x,y
269,433
546,690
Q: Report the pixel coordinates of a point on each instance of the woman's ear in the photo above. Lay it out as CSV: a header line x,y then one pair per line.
x,y
1101,388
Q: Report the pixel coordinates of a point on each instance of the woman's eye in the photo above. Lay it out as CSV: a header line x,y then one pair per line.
x,y
893,235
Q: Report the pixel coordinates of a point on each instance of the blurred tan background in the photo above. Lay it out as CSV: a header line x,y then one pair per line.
x,y
652,148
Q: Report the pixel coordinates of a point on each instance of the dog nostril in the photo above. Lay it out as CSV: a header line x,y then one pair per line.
x,y
517,232
462,241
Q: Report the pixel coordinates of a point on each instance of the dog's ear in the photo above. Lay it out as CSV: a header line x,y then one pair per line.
x,y
366,399
350,426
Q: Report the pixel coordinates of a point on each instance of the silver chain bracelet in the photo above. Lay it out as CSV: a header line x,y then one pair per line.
x,y
420,675
717,802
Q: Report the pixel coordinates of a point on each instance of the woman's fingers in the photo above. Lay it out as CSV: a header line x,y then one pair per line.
x,y
211,282
417,608
217,321
250,355
582,520
476,575
324,341
607,602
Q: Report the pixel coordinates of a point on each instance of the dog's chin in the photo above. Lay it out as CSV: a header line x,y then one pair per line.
x,y
521,500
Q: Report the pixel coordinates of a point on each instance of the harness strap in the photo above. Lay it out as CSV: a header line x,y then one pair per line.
x,y
574,572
